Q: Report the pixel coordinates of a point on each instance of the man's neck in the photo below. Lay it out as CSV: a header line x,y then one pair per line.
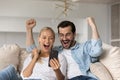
x,y
74,42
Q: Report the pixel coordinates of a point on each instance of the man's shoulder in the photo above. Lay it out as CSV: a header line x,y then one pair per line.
x,y
57,48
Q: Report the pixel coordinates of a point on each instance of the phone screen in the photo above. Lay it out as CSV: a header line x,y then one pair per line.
x,y
53,54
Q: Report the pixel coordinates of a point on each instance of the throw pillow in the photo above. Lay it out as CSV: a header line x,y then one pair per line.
x,y
111,60
9,54
100,71
23,56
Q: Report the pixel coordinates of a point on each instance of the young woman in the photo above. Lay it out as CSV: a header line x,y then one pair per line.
x,y
36,65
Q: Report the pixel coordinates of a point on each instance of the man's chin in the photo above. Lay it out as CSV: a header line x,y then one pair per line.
x,y
66,47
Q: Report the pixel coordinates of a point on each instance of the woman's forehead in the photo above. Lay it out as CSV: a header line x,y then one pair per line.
x,y
47,32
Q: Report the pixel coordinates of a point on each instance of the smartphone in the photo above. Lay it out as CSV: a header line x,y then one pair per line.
x,y
53,54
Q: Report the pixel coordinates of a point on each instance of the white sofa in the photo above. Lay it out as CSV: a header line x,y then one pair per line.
x,y
108,68
12,54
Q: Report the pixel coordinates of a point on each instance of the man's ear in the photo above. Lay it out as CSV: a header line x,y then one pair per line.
x,y
75,34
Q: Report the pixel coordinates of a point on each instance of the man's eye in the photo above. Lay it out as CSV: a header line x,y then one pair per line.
x,y
68,34
60,35
51,38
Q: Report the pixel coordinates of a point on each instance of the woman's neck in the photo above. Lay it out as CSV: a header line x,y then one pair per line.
x,y
44,54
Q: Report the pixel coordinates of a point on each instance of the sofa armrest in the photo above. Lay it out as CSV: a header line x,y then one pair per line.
x,y
100,71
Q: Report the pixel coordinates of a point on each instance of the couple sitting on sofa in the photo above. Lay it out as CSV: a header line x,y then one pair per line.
x,y
73,61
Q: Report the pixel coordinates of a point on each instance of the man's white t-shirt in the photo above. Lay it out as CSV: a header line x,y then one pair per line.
x,y
73,68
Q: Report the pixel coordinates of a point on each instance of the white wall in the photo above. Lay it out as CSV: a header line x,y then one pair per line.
x,y
15,32
20,10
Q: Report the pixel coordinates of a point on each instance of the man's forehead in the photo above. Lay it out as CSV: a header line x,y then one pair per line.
x,y
65,28
65,32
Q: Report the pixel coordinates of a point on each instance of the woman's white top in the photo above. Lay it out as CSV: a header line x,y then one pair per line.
x,y
42,71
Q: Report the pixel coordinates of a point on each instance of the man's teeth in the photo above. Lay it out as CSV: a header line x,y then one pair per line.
x,y
65,42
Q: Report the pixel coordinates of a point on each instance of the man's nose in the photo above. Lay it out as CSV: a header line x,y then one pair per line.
x,y
64,37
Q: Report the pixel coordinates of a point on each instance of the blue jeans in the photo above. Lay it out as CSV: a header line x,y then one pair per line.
x,y
82,78
9,73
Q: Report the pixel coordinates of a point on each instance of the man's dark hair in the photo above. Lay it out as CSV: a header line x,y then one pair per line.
x,y
64,24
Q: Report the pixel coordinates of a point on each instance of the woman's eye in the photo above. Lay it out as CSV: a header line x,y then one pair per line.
x,y
51,38
44,37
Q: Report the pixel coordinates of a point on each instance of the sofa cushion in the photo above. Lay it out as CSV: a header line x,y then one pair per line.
x,y
23,56
100,71
111,60
9,54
